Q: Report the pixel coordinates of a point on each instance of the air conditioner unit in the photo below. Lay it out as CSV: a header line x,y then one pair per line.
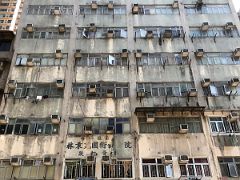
x,y
56,11
61,28
110,33
229,26
94,5
183,128
105,158
56,119
135,9
175,4
192,92
206,82
110,130
92,88
138,53
39,98
12,84
87,129
236,53
90,159
233,116
30,62
4,119
167,33
168,159
141,93
78,54
29,28
234,82
183,159
199,53
92,27
184,53
16,161
60,83
48,160
149,34
199,4
58,54
150,117
110,93
110,5
204,26
124,53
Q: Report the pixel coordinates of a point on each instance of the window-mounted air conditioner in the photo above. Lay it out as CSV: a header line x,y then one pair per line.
x,y
29,28
167,33
16,161
78,54
56,11
90,159
150,117
110,33
4,119
12,84
204,26
183,159
183,128
56,119
149,34
124,53
110,5
234,82
233,116
48,160
105,158
236,53
110,93
110,130
206,82
135,9
175,4
87,129
168,159
94,5
92,27
61,28
184,53
138,53
58,54
199,53
192,92
199,4
92,88
141,93
229,26
60,83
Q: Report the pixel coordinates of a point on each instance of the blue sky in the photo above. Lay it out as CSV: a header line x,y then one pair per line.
x,y
237,4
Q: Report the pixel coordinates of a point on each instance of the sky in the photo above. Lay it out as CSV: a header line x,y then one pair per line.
x,y
237,4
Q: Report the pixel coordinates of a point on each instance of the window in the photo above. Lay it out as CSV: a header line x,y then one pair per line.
x,y
218,58
29,127
196,167
222,125
41,60
32,90
102,32
117,169
99,125
151,10
30,169
170,125
208,9
77,168
97,90
47,9
164,89
176,31
195,32
230,166
98,60
46,33
102,10
156,168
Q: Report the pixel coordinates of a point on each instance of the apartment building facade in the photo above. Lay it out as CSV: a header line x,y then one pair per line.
x,y
123,90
